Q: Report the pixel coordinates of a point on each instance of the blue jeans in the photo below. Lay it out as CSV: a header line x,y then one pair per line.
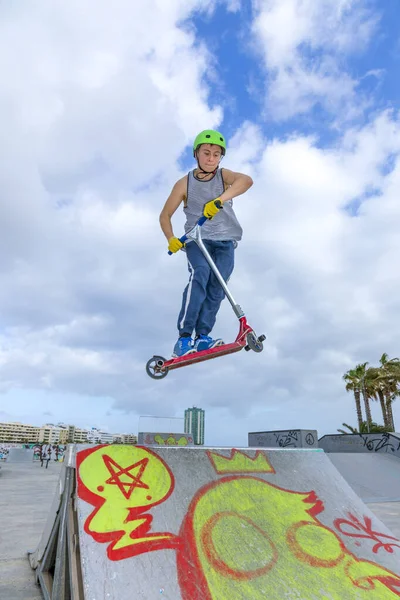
x,y
203,294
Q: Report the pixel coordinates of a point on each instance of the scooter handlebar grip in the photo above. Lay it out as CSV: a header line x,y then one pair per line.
x,y
182,239
203,219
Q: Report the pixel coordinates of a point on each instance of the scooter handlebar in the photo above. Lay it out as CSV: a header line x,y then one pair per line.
x,y
200,222
183,239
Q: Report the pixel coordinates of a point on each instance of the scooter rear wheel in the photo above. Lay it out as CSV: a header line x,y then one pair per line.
x,y
154,366
255,343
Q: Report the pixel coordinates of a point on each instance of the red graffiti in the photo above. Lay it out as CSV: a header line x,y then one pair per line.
x,y
357,529
117,471
120,518
219,564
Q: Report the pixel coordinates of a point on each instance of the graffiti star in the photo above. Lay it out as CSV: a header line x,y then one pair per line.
x,y
134,480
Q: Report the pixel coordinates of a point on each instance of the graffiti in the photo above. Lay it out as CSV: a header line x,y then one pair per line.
x,y
121,516
287,439
352,527
57,451
4,450
310,439
383,442
240,534
171,441
361,442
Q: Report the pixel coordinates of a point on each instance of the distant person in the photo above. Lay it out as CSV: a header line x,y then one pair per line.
x,y
45,455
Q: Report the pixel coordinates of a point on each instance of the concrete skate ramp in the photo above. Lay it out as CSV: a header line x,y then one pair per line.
x,y
374,477
18,455
227,524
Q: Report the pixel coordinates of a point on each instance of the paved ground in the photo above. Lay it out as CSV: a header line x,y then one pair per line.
x,y
26,494
375,477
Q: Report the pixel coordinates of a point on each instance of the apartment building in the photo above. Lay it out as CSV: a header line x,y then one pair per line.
x,y
60,434
125,438
53,434
18,432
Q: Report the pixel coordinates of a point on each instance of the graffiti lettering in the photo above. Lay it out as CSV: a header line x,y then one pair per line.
x,y
288,439
383,442
352,527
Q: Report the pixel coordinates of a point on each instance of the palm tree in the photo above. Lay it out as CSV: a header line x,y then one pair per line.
x,y
375,382
367,388
360,383
390,369
365,428
353,385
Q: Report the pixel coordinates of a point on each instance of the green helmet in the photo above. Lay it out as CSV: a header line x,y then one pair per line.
x,y
210,136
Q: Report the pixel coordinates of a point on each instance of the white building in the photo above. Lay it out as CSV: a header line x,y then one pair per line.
x,y
96,436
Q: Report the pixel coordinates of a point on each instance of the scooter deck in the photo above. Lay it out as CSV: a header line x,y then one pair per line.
x,y
195,357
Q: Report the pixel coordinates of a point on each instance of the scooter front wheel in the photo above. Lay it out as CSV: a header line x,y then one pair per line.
x,y
154,367
255,343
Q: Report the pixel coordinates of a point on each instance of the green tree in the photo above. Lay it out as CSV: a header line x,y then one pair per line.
x,y
353,385
390,377
376,386
365,428
358,381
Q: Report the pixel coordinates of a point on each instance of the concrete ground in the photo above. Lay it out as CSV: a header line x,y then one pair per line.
x,y
389,514
26,494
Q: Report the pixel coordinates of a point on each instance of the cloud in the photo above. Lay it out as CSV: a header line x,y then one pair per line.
x,y
304,45
306,276
96,118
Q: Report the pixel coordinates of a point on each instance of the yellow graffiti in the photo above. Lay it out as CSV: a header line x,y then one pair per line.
x,y
170,441
125,481
252,537
238,462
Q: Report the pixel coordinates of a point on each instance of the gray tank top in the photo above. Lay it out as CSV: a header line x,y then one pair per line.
x,y
224,226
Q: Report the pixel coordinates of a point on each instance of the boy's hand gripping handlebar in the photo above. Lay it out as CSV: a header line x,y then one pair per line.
x,y
199,223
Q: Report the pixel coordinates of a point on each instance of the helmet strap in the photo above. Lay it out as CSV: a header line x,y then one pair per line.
x,y
206,173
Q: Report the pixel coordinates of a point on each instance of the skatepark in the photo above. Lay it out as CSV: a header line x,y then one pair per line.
x,y
292,517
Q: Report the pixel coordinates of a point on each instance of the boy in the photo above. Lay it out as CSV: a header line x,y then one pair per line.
x,y
198,191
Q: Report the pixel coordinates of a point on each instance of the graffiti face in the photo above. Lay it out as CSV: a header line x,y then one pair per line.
x,y
241,535
136,478
122,482
245,535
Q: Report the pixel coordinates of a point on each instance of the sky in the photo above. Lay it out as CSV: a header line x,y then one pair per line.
x,y
99,106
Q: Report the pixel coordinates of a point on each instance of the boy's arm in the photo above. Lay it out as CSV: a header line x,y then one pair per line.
x,y
238,184
177,195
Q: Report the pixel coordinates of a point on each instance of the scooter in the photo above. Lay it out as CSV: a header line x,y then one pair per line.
x,y
158,367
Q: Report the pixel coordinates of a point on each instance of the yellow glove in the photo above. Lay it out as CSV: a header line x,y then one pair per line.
x,y
212,208
174,244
